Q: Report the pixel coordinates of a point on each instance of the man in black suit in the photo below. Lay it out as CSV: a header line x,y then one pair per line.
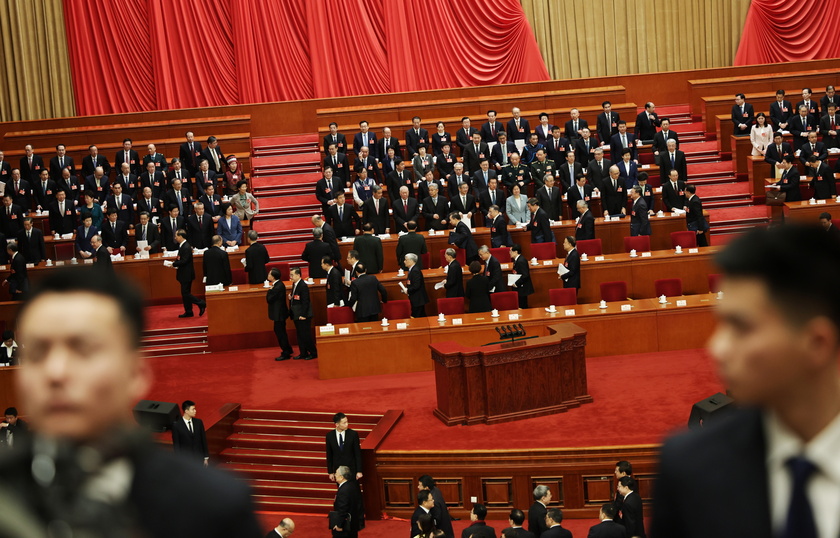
x,y
334,289
672,159
660,140
492,269
538,510
518,128
454,282
575,126
20,189
216,264
84,235
122,204
5,168
212,202
343,217
389,142
539,226
789,181
31,242
830,98
93,161
516,519
569,171
114,234
780,111
810,105
399,178
154,157
405,209
501,152
348,515
98,184
673,192
185,275
314,251
823,179
188,436
481,178
646,123
178,196
149,204
256,259
775,151
278,313
365,139
556,146
802,124
365,293
812,148
190,152
180,173
830,127
550,198
365,160
60,162
31,164
411,243
415,286
607,528
464,203
369,248
597,171
622,140
129,156
492,196
456,179
632,511
336,138
147,231
129,182
425,506
101,256
585,226
163,494
461,236
62,215
743,116
169,225
435,209
343,447
607,123
523,286
553,518
213,155
639,219
694,219
492,128
70,185
300,310
478,528
571,278
18,279
200,228
445,161
475,152
414,138
464,135
585,146
340,166
762,463
203,178
580,191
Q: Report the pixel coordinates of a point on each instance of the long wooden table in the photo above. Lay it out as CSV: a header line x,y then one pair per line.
x,y
805,212
371,349
240,318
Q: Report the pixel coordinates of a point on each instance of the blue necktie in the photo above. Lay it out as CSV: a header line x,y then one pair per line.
x,y
800,520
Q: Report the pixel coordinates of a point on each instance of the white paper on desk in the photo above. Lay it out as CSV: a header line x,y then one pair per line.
x,y
402,234
67,236
513,279
384,236
347,239
142,244
678,212
45,213
402,286
439,285
170,253
234,248
142,255
561,269
116,257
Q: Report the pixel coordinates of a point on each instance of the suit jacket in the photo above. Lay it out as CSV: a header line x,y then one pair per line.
x,y
62,223
369,248
300,305
800,129
5,170
365,293
456,204
462,237
742,118
672,198
452,181
539,227
167,234
170,198
485,201
192,445
825,127
454,284
55,168
200,235
789,183
780,113
522,133
349,506
159,160
401,216
445,164
613,199
211,207
369,140
43,197
341,166
607,529
819,151
694,216
335,290
22,196
813,110
824,100
479,184
493,272
216,267
207,153
379,220
411,243
536,519
824,183
463,138
200,180
523,286
278,308
556,150
423,189
645,128
438,140
349,222
393,142
100,188
114,238
185,177
369,164
83,240
596,174
256,259
551,204
629,172
582,154
660,143
340,143
415,528
129,184
32,249
639,220
477,293
184,263
500,155
416,287
89,165
570,131
394,183
230,232
157,182
413,140
125,209
152,236
632,515
473,158
567,178
573,196
31,174
101,258
313,253
489,134
133,162
557,531
616,147
572,263
152,206
441,209
606,129
665,165
543,132
188,158
479,529
71,187
585,227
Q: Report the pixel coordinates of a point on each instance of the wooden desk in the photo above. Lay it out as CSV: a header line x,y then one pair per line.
x,y
8,390
804,212
665,327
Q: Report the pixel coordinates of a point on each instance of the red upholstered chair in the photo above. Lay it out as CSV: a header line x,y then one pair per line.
x,y
639,243
544,251
399,309
687,239
238,276
65,251
340,315
562,296
284,268
275,265
714,283
835,222
590,247
451,306
505,300
460,255
426,260
502,254
669,287
614,291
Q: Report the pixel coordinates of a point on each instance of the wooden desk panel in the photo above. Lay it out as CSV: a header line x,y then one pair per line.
x,y
8,390
803,212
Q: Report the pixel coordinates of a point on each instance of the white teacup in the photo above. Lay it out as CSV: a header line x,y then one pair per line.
x,y
663,299
584,257
633,253
384,322
552,308
603,304
494,313
441,317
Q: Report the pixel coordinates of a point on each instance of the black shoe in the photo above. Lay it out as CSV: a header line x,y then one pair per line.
x,y
186,315
299,357
283,357
202,308
310,357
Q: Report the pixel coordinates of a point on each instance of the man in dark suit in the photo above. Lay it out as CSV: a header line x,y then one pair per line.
x,y
278,313
70,185
660,140
812,148
154,157
216,264
607,123
300,310
622,140
365,293
556,146
523,286
445,161
810,105
585,147
569,171
405,209
365,160
213,155
5,168
149,203
632,511
435,209
336,138
607,528
571,278
18,279
389,142
343,217
830,127
673,192
212,202
518,127
801,124
425,507
538,510
456,179
743,116
475,152
585,227
775,151
343,446
334,289
516,519
178,196
340,166
597,170
190,152
101,256
780,111
461,236
478,528
789,181
147,231
672,159
129,156
93,161
464,203
454,282
539,226
646,123
314,251
369,248
178,172
761,463
825,186
575,126
639,219
492,128
492,269
414,138
200,228
188,436
256,259
185,276
415,286
501,152
580,191
31,164
830,98
694,219
364,139
481,178
464,135
60,162
399,178
492,196
411,243
31,242
348,515
98,184
44,190
169,225
550,198
203,178
553,518
62,215
122,204
129,182
114,233
20,190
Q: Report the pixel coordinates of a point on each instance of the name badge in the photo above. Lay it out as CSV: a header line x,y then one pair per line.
x,y
341,165
340,144
480,155
49,192
132,160
367,188
682,193
122,207
521,129
157,163
784,109
14,216
72,187
38,167
296,298
746,115
422,140
68,212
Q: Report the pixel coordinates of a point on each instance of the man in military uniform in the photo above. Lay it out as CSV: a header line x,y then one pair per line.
x,y
515,172
540,167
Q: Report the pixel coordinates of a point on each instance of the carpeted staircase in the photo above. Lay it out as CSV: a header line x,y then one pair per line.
x,y
282,454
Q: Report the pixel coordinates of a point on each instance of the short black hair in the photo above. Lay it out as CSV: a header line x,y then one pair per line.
x,y
690,188
555,514
517,516
9,334
427,481
625,467
360,268
423,496
799,263
480,511
326,259
516,247
608,509
824,215
571,239
97,281
629,482
187,404
338,417
11,411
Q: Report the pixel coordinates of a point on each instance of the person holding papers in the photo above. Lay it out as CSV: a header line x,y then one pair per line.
x,y
571,278
454,282
492,269
520,277
415,287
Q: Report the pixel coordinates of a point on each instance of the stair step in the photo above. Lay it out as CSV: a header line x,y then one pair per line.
x,y
310,416
269,225
277,442
293,140
282,201
291,504
172,350
167,340
308,157
286,473
296,490
153,333
269,456
290,427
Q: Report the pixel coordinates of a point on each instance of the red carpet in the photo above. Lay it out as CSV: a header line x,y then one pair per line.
x,y
661,387
166,317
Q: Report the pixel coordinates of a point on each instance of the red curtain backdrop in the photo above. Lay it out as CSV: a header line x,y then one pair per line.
x,y
168,54
783,31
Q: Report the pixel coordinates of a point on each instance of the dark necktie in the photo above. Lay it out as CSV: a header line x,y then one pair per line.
x,y
189,423
341,441
493,197
340,213
672,161
61,162
800,519
143,233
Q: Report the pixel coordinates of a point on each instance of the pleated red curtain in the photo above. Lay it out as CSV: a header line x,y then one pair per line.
x,y
782,31
167,54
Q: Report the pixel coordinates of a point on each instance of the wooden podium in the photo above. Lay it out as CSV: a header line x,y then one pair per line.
x,y
511,381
